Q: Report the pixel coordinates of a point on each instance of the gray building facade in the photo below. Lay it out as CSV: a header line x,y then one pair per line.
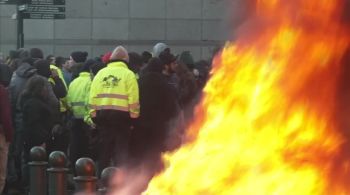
x,y
97,26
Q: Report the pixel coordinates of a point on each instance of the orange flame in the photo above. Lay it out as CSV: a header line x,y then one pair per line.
x,y
267,123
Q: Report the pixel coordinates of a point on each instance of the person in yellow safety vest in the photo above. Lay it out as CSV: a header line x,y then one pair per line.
x,y
114,101
63,101
77,99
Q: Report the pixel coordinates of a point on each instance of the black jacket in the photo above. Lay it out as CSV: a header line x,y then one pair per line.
x,y
58,88
158,107
18,82
37,120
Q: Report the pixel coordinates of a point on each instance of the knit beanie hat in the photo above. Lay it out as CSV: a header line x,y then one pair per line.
x,y
36,53
120,53
186,58
79,56
43,68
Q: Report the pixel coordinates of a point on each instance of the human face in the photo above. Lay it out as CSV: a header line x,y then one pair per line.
x,y
67,65
52,60
173,66
71,61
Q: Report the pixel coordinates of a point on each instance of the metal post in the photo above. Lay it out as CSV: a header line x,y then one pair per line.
x,y
106,176
37,169
85,182
57,174
20,33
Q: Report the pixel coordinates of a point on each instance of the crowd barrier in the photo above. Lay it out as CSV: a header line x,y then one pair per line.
x,y
51,177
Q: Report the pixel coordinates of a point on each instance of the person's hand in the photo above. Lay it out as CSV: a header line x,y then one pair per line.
x,y
54,73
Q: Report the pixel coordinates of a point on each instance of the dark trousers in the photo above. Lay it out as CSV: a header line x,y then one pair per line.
x,y
79,145
14,158
114,141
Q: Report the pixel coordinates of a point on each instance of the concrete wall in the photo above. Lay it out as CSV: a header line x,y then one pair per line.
x,y
97,26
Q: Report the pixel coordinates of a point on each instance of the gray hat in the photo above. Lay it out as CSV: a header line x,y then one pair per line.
x,y
158,48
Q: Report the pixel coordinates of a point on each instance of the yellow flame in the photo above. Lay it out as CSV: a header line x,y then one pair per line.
x,y
266,123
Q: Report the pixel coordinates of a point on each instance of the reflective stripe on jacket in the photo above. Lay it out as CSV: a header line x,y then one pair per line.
x,y
78,96
115,88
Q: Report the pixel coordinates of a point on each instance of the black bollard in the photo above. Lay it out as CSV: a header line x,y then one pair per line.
x,y
37,170
57,174
106,176
85,182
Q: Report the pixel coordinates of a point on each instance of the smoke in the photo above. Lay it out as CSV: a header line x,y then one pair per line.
x,y
130,182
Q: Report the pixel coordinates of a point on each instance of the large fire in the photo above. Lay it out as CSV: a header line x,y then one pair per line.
x,y
267,122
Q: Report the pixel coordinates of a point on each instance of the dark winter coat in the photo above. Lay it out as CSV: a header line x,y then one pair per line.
x,y
5,74
6,127
158,107
37,120
18,82
58,88
187,89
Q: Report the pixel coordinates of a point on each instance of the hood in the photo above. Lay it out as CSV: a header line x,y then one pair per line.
x,y
159,48
25,70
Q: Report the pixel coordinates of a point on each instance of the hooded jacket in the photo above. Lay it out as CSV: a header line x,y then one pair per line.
x,y
18,82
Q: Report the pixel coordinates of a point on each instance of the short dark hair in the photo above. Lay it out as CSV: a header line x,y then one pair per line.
x,y
135,61
154,65
60,61
95,68
166,57
146,56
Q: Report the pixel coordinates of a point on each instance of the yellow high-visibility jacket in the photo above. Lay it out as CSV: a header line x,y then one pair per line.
x,y
63,101
60,74
115,88
78,97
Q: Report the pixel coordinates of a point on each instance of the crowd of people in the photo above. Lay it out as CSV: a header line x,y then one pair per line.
x,y
121,109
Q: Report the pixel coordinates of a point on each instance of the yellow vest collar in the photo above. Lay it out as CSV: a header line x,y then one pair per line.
x,y
118,64
84,74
